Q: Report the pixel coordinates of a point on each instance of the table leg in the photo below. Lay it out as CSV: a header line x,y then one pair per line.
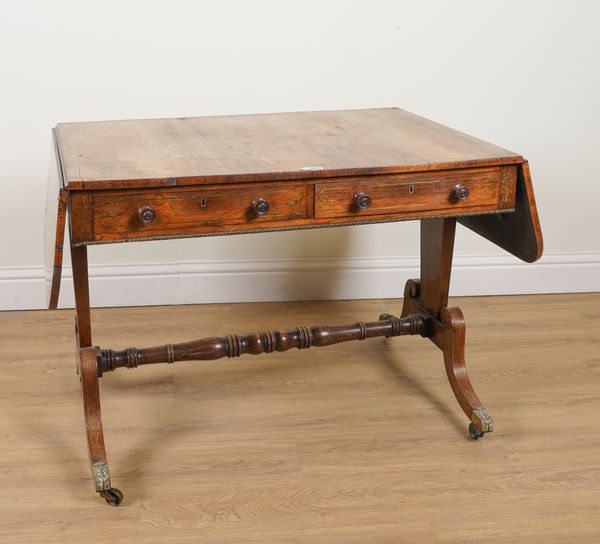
x,y
87,368
88,372
83,324
429,297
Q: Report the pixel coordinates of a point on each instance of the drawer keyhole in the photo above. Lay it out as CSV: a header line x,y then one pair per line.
x,y
203,202
411,189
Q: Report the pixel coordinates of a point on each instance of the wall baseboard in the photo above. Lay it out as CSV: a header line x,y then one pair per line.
x,y
298,279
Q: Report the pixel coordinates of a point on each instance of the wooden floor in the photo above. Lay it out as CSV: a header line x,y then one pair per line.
x,y
356,443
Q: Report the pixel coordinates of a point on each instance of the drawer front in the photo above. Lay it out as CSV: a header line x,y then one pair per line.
x,y
486,189
185,210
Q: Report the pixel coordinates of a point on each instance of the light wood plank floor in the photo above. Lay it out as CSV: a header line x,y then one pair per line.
x,y
356,443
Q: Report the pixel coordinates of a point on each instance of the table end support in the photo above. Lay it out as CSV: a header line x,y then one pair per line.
x,y
90,392
448,333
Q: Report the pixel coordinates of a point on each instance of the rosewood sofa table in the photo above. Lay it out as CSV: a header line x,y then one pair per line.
x,y
159,179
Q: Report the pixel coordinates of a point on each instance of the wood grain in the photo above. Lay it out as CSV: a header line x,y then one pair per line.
x,y
258,343
520,232
54,227
187,208
358,443
283,146
57,250
410,193
109,216
437,249
81,287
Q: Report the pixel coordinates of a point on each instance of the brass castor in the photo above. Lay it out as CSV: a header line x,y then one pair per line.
x,y
474,432
112,496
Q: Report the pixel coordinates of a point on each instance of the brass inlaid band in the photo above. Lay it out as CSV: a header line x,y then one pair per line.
x,y
233,348
305,337
132,358
170,354
268,340
363,330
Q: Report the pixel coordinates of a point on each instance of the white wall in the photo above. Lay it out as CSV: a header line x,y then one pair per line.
x,y
522,74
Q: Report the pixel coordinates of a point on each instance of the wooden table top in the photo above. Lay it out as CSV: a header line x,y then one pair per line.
x,y
266,147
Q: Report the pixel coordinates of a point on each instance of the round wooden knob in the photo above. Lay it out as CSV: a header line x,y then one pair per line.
x,y
260,206
460,192
361,200
146,215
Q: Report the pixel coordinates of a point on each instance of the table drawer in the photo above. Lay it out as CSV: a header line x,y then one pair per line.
x,y
165,211
484,189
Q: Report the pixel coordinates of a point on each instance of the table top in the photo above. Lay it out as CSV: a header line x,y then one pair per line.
x,y
266,147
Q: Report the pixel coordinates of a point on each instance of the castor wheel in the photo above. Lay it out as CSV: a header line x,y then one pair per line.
x,y
112,496
474,432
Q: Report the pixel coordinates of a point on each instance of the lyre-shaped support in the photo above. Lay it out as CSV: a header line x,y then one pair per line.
x,y
429,297
448,333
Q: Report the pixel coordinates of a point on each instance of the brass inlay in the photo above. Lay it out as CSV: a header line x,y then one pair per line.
x,y
326,202
506,189
297,202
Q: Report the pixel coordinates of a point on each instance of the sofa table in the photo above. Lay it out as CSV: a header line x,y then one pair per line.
x,y
159,179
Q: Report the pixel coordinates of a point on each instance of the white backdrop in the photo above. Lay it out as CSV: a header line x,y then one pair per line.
x,y
521,74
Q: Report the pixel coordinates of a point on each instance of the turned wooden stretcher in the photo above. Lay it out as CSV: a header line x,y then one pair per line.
x,y
125,181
